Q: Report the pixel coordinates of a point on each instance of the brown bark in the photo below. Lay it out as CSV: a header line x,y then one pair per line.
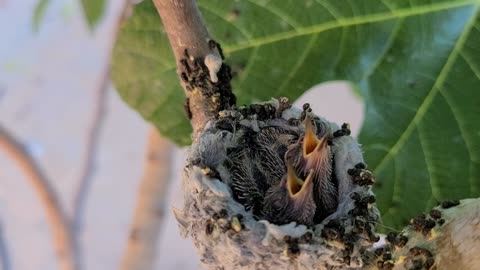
x,y
186,31
185,27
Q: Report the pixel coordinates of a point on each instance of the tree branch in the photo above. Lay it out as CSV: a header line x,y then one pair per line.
x,y
65,245
199,59
151,203
184,26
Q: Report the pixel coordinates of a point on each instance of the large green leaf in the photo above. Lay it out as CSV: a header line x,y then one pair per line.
x,y
416,63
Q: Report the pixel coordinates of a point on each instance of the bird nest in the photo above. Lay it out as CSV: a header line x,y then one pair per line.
x,y
227,219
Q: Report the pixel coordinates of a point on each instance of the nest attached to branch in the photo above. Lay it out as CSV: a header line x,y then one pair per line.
x,y
228,236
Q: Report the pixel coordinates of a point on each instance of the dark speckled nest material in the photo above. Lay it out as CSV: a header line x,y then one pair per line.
x,y
229,237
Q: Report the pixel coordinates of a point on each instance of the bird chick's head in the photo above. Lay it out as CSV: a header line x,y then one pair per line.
x,y
311,153
291,200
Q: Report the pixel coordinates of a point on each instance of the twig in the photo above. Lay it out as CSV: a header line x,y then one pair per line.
x,y
191,41
151,204
65,245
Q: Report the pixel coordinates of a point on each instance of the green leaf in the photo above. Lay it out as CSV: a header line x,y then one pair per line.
x,y
93,11
416,63
38,14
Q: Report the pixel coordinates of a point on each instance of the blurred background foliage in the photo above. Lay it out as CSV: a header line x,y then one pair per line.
x,y
92,10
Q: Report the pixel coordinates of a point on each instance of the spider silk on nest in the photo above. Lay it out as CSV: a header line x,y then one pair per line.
x,y
268,186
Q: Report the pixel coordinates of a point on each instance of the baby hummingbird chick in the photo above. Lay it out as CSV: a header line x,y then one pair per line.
x,y
291,200
312,155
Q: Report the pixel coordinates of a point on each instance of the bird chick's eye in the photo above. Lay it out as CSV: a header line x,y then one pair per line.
x,y
278,205
321,128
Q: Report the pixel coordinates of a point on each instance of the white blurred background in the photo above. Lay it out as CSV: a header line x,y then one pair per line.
x,y
49,93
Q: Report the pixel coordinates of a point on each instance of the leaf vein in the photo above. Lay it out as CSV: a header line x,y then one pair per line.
x,y
284,17
395,197
242,31
471,65
433,183
297,65
422,109
330,9
388,45
460,121
249,65
387,5
378,17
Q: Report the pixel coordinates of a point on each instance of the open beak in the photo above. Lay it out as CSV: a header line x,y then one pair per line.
x,y
297,188
316,152
311,144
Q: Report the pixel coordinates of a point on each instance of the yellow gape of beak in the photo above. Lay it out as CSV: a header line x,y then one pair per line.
x,y
297,188
311,144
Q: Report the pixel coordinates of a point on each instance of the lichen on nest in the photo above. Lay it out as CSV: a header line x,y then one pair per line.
x,y
445,238
228,221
